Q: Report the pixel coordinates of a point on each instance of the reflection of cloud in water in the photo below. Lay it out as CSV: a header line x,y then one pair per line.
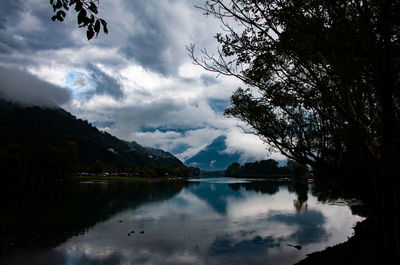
x,y
213,224
247,251
253,204
225,245
185,203
309,225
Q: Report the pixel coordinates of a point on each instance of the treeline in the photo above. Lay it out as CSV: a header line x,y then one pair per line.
x,y
58,162
266,168
150,170
49,162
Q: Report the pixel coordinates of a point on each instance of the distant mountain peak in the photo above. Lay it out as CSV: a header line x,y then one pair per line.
x,y
213,156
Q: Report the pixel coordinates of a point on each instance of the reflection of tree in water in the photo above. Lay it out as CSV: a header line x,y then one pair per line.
x,y
272,187
301,190
266,187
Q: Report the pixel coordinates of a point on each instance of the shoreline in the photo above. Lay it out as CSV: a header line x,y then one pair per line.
x,y
123,178
357,250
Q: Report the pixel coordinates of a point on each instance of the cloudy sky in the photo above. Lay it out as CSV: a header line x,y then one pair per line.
x,y
138,82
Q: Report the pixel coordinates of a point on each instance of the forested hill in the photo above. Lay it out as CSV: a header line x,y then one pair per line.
x,y
39,141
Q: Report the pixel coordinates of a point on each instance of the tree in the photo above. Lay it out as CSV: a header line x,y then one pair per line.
x,y
322,87
98,167
232,170
324,74
87,15
194,172
299,170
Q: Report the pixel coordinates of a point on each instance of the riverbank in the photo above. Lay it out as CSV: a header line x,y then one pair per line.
x,y
123,178
358,250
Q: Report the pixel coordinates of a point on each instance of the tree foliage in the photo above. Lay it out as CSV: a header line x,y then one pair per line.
x,y
322,76
263,168
86,15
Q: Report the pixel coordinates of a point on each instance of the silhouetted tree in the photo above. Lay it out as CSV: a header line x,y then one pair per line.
x,y
232,170
98,167
263,168
299,170
86,15
194,171
325,75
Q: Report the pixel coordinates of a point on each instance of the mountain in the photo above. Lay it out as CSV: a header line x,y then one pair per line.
x,y
38,138
150,151
213,157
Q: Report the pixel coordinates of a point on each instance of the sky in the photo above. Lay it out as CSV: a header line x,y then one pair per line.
x,y
137,83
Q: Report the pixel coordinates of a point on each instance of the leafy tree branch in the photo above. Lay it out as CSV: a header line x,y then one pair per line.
x,y
86,15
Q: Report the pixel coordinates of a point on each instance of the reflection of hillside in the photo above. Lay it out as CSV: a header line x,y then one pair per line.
x,y
54,213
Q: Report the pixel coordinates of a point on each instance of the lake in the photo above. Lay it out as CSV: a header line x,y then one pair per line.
x,y
201,221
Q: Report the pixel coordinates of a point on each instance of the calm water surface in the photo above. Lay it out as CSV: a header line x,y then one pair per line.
x,y
207,221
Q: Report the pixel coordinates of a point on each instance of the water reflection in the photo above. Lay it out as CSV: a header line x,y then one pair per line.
x,y
301,190
209,222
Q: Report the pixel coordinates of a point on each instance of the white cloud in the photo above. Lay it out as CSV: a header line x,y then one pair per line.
x,y
167,100
249,145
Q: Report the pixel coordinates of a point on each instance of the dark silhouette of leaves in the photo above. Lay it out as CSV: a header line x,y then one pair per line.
x,y
104,23
90,33
81,16
86,17
97,26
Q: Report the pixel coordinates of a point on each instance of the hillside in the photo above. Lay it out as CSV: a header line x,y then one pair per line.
x,y
38,138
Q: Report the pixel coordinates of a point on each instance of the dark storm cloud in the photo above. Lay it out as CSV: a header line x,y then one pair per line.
x,y
153,40
10,10
23,87
152,44
26,27
153,114
147,51
56,35
104,83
